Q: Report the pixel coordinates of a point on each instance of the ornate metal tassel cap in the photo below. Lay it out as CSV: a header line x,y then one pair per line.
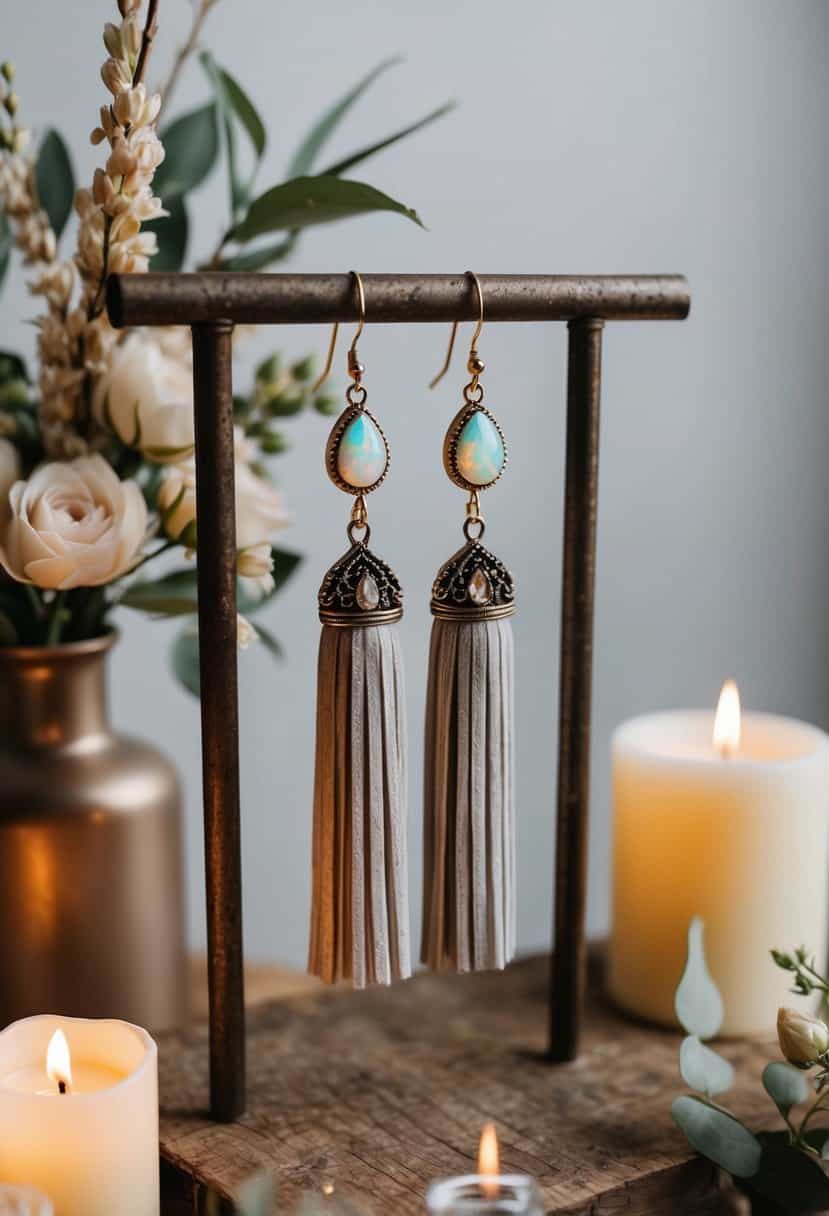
x,y
359,590
474,585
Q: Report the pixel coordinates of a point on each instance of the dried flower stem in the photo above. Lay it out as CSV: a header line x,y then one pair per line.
x,y
96,303
150,31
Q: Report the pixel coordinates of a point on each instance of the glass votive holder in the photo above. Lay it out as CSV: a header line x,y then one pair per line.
x,y
485,1195
24,1201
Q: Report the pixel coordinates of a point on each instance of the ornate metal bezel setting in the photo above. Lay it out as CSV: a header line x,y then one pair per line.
x,y
450,445
451,598
332,448
338,596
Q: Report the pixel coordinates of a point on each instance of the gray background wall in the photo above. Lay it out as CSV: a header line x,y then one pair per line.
x,y
652,135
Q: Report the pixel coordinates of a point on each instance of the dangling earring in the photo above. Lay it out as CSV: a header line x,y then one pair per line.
x,y
359,918
469,850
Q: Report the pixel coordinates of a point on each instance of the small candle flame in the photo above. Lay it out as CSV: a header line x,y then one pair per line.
x,y
727,721
58,1062
489,1164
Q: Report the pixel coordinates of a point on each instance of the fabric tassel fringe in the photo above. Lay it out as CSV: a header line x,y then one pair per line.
x,y
360,916
469,829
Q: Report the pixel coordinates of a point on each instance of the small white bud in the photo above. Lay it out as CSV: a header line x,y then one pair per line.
x,y
245,632
112,40
255,561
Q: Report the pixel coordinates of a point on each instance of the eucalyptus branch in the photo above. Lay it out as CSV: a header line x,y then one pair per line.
x,y
807,978
200,13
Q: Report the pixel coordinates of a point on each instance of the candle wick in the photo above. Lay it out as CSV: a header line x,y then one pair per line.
x,y
62,1087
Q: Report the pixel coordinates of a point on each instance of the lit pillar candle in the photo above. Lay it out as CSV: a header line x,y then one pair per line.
x,y
79,1114
487,1193
727,819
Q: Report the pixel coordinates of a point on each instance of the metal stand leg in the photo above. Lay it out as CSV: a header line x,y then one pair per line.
x,y
220,730
578,578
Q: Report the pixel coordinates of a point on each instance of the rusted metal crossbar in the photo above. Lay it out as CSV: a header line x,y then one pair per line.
x,y
211,304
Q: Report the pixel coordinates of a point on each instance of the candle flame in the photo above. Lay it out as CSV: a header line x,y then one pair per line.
x,y
489,1164
58,1062
727,721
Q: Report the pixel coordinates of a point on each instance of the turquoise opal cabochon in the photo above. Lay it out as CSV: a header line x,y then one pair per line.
x,y
357,454
474,452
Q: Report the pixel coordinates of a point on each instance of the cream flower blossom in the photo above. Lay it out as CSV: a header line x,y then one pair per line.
x,y
255,565
260,511
803,1039
245,632
9,474
146,398
73,524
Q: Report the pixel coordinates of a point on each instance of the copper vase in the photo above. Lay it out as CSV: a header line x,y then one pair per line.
x,y
91,878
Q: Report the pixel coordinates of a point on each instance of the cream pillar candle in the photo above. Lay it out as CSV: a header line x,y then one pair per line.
x,y
92,1149
735,832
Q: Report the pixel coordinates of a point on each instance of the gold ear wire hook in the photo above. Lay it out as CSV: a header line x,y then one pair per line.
x,y
473,346
353,363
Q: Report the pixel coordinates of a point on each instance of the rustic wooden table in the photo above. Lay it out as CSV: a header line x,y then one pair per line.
x,y
379,1092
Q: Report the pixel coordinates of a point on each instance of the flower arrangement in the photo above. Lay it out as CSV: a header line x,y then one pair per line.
x,y
786,1169
97,476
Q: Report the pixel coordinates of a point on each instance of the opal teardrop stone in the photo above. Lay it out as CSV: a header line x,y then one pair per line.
x,y
361,453
479,453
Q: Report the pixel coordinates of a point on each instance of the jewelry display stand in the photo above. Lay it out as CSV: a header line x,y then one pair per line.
x,y
211,304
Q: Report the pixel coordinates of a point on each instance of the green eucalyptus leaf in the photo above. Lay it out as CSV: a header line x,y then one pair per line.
x,y
184,659
12,368
698,1003
5,245
703,1069
356,158
191,145
175,594
718,1136
285,564
259,258
789,1177
785,1085
236,108
142,599
54,180
306,201
245,111
172,233
311,146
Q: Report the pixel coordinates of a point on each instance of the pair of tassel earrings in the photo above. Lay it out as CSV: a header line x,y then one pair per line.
x,y
360,919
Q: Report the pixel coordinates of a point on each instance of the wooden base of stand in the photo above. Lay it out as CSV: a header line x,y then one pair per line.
x,y
379,1092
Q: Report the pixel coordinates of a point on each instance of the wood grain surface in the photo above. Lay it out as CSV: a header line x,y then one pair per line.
x,y
379,1092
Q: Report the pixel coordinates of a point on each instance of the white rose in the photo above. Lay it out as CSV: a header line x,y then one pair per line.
x,y
803,1039
259,508
147,399
73,524
9,474
176,502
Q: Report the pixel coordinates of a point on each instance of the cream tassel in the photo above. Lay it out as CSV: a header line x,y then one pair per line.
x,y
469,836
360,918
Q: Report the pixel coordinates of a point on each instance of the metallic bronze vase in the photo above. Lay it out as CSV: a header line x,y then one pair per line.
x,y
91,878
